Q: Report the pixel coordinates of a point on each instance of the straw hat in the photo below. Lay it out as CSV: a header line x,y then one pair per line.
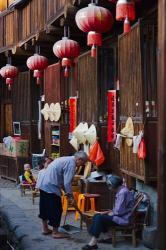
x,y
128,131
74,143
51,112
57,111
91,134
45,111
80,131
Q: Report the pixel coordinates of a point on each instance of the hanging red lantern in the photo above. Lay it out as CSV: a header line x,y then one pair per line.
x,y
37,63
9,72
125,11
67,50
94,20
112,1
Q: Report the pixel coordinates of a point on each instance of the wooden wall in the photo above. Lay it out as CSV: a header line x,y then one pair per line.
x,y
25,96
130,74
52,95
19,25
87,89
5,99
90,80
161,124
52,83
21,97
135,81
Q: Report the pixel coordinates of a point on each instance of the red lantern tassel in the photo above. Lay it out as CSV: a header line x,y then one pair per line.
x,y
9,87
9,82
38,80
66,72
93,51
126,27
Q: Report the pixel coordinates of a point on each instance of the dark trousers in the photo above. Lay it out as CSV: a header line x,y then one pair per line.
x,y
50,208
100,224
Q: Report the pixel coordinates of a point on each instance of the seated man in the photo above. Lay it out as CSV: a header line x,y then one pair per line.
x,y
120,215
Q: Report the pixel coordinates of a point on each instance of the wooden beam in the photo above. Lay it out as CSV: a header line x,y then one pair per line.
x,y
28,47
33,41
7,53
43,37
70,11
161,124
50,29
75,2
62,22
20,51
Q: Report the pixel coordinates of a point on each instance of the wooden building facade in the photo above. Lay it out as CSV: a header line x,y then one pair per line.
x,y
125,62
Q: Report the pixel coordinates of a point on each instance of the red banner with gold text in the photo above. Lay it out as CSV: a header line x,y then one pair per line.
x,y
72,113
111,128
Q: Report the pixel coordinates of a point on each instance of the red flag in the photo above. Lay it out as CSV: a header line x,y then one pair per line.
x,y
142,150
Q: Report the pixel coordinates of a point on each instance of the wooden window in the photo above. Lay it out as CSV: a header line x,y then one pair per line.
x,y
106,77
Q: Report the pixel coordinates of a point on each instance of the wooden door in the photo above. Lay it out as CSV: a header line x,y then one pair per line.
x,y
8,119
87,89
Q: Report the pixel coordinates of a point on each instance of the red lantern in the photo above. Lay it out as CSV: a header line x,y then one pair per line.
x,y
125,11
9,72
67,50
94,20
112,1
37,63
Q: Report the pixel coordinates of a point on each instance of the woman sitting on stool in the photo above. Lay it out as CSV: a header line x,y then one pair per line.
x,y
120,215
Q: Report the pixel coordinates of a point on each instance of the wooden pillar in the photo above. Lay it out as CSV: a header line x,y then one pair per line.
x,y
162,124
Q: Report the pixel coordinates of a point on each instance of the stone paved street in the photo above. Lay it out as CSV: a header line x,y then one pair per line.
x,y
22,218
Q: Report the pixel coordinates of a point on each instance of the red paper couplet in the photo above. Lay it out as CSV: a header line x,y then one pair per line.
x,y
72,113
111,128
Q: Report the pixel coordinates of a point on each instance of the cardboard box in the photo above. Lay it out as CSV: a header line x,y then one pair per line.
x,y
19,148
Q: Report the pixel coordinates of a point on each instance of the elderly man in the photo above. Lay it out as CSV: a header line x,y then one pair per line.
x,y
120,215
58,175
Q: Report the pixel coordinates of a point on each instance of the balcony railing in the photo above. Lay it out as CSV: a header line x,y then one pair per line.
x,y
19,25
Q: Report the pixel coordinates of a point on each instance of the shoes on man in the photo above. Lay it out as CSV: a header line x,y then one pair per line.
x,y
88,247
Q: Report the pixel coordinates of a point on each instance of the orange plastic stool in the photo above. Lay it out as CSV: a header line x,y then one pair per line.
x,y
65,202
83,201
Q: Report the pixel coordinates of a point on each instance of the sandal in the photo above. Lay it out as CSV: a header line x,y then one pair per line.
x,y
60,236
48,232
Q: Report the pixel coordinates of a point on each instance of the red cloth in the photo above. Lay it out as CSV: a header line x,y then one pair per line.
x,y
142,150
96,154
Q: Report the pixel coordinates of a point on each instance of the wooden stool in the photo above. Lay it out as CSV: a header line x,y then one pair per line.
x,y
34,195
26,186
83,202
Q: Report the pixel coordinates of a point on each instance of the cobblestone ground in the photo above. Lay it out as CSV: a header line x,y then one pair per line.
x,y
22,216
